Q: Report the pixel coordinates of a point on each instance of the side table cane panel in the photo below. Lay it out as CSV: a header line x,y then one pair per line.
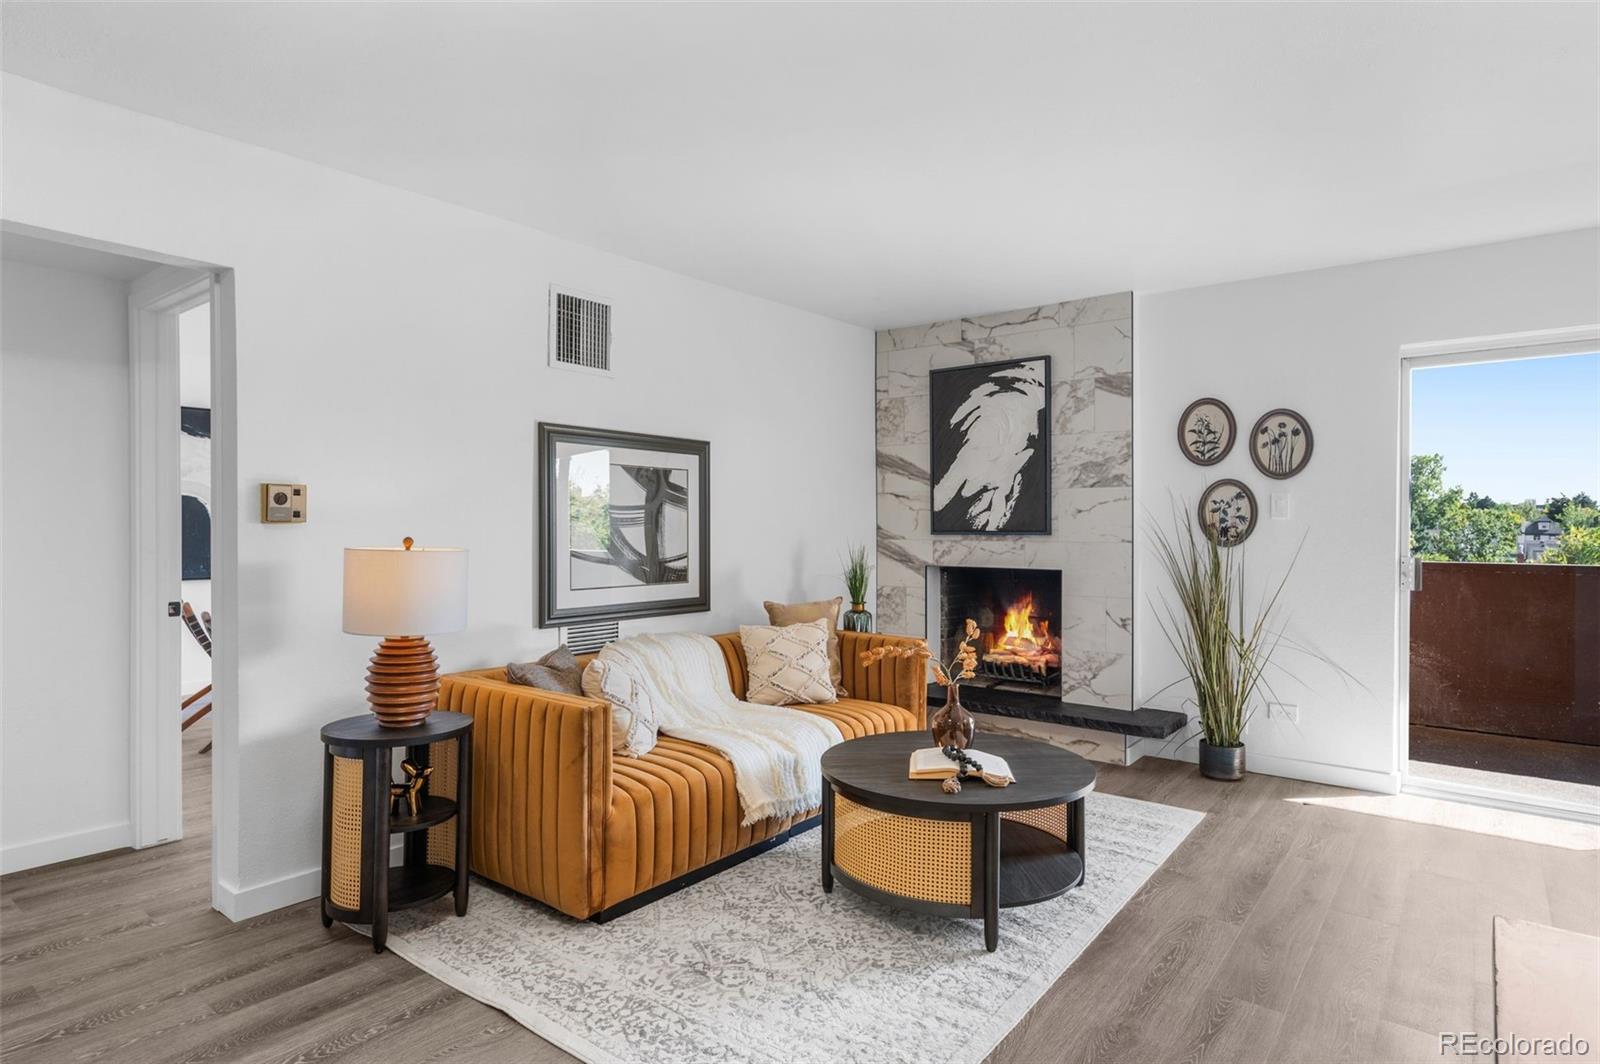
x,y
344,883
926,860
1051,819
442,839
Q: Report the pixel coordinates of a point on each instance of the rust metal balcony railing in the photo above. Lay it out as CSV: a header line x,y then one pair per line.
x,y
1508,649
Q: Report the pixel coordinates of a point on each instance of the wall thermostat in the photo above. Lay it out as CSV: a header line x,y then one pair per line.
x,y
283,504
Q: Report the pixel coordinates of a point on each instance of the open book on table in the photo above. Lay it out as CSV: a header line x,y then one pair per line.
x,y
931,764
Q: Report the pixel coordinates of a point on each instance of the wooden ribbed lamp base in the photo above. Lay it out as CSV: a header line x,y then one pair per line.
x,y
403,681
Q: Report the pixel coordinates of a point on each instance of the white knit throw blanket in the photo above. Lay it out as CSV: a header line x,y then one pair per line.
x,y
776,751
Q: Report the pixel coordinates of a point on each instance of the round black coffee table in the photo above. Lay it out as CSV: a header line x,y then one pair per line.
x,y
907,843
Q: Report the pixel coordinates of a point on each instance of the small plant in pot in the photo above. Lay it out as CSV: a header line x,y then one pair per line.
x,y
857,574
1223,648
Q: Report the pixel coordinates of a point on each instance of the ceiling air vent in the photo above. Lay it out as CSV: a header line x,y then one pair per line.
x,y
580,332
588,638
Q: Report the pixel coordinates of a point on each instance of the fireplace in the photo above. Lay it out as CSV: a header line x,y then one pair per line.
x,y
1018,613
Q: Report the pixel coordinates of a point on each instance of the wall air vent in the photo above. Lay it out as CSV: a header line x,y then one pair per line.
x,y
580,331
588,638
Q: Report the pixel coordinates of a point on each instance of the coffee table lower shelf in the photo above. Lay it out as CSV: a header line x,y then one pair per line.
x,y
952,866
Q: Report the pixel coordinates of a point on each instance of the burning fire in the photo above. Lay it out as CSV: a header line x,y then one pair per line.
x,y
1024,641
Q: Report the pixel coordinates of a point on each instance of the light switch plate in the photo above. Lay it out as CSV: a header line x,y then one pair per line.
x,y
283,504
1280,506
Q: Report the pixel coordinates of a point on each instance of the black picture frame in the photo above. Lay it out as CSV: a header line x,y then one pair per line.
x,y
1188,445
551,611
1296,464
947,389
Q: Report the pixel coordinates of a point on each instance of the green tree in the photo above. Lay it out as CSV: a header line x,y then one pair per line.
x,y
1579,515
1578,546
1447,526
1430,502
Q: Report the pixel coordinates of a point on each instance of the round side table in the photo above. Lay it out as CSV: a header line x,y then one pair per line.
x,y
358,884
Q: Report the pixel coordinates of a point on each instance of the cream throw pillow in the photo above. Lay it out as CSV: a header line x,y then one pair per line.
x,y
634,718
781,613
787,664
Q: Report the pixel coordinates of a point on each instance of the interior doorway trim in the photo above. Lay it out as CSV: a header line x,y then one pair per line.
x,y
155,770
1541,343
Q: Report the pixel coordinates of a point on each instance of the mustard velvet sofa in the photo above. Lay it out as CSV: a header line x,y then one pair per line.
x,y
556,815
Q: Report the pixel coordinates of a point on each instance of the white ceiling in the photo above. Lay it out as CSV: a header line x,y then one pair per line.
x,y
890,164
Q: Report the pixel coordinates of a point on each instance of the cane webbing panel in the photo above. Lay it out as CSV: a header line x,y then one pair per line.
x,y
927,860
1052,819
442,784
344,849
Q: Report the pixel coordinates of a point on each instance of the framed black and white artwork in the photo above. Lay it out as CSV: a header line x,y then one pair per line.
x,y
1280,444
1227,512
989,431
1206,431
194,463
625,525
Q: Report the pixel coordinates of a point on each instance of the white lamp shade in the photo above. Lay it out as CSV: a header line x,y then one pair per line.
x,y
394,591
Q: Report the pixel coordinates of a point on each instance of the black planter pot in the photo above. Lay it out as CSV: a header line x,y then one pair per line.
x,y
1221,762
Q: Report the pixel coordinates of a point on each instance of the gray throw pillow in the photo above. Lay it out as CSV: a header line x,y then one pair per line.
x,y
556,671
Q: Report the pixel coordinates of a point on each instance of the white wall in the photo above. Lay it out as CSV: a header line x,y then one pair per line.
x,y
64,338
391,355
1326,343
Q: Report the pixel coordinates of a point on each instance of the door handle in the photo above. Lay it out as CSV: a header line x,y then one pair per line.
x,y
174,609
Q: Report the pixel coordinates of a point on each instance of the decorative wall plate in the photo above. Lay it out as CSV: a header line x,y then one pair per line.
x,y
1280,444
1206,431
1227,512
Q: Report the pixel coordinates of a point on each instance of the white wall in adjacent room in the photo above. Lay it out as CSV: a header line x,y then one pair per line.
x,y
64,790
392,356
1325,343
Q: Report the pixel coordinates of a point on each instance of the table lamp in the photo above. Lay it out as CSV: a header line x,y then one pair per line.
x,y
404,595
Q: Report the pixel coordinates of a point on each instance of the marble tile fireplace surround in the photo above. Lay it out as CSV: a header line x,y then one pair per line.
x,y
1089,549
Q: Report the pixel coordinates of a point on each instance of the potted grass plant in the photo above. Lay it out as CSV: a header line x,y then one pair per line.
x,y
857,574
1224,646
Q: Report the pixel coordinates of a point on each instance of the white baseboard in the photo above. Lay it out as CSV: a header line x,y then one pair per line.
x,y
24,855
245,903
1294,768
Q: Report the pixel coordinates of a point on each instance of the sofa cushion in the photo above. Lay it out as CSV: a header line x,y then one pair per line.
x,y
787,664
634,716
855,717
558,670
782,613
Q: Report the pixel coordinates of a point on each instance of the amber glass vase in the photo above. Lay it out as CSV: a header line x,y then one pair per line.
x,y
952,725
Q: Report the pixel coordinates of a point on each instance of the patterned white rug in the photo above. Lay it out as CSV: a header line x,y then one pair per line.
x,y
757,964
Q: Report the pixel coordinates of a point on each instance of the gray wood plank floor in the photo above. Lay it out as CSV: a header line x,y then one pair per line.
x,y
1277,932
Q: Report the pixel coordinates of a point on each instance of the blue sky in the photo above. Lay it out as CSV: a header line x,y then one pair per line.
x,y
1525,429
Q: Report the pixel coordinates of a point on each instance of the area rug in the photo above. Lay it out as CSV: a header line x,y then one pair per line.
x,y
1546,986
758,964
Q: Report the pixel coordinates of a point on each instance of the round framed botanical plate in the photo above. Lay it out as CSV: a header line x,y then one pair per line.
x,y
1280,444
1227,512
1206,431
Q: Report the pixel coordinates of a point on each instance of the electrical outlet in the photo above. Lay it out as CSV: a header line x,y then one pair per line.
x,y
1280,506
1287,711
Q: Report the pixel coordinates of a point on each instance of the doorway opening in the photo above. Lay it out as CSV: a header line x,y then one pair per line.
x,y
1501,569
119,572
